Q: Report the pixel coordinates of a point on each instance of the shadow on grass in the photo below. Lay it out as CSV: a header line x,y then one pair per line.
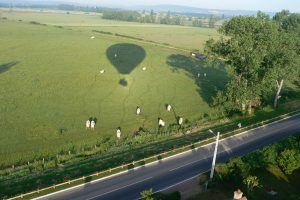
x,y
210,78
125,56
88,179
123,82
130,167
7,66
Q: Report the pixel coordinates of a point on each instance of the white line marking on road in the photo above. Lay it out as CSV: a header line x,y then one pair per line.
x,y
80,185
174,184
119,188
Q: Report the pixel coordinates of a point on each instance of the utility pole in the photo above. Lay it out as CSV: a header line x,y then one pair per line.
x,y
214,158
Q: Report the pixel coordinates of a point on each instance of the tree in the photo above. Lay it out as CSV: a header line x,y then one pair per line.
x,y
152,16
123,15
270,154
281,16
212,21
197,23
260,55
147,194
251,182
289,160
255,160
238,168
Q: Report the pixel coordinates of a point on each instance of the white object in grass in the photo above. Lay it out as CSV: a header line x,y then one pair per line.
x,y
93,124
161,123
118,133
102,71
144,68
240,125
138,110
180,121
169,107
87,124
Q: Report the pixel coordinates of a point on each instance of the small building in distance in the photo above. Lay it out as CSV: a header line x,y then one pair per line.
x,y
198,55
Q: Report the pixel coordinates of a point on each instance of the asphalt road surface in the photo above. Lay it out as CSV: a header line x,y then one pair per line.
x,y
172,171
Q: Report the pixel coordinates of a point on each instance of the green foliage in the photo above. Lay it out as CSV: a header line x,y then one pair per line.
x,y
284,153
212,21
255,160
122,15
197,23
238,167
269,154
289,160
147,194
259,53
251,182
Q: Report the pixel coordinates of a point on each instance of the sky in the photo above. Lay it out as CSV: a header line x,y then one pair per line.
x,y
263,5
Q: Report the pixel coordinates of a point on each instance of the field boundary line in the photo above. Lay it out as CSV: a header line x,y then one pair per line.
x,y
181,150
146,42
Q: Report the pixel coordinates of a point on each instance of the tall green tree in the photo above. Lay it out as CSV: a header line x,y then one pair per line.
x,y
260,55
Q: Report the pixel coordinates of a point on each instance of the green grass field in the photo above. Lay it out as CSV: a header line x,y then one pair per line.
x,y
179,36
51,84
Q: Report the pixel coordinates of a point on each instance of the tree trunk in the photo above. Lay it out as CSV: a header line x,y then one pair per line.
x,y
249,108
279,86
243,106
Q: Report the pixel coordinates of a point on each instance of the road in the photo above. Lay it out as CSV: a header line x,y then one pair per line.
x,y
172,171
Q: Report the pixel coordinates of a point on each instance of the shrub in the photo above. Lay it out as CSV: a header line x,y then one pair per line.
x,y
289,160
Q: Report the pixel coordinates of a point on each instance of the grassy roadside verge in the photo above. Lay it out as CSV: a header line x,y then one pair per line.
x,y
169,148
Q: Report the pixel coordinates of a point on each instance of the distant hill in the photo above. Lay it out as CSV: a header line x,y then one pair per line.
x,y
157,8
187,9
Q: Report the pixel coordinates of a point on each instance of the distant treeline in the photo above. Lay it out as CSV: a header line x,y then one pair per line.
x,y
160,18
66,7
188,19
123,15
